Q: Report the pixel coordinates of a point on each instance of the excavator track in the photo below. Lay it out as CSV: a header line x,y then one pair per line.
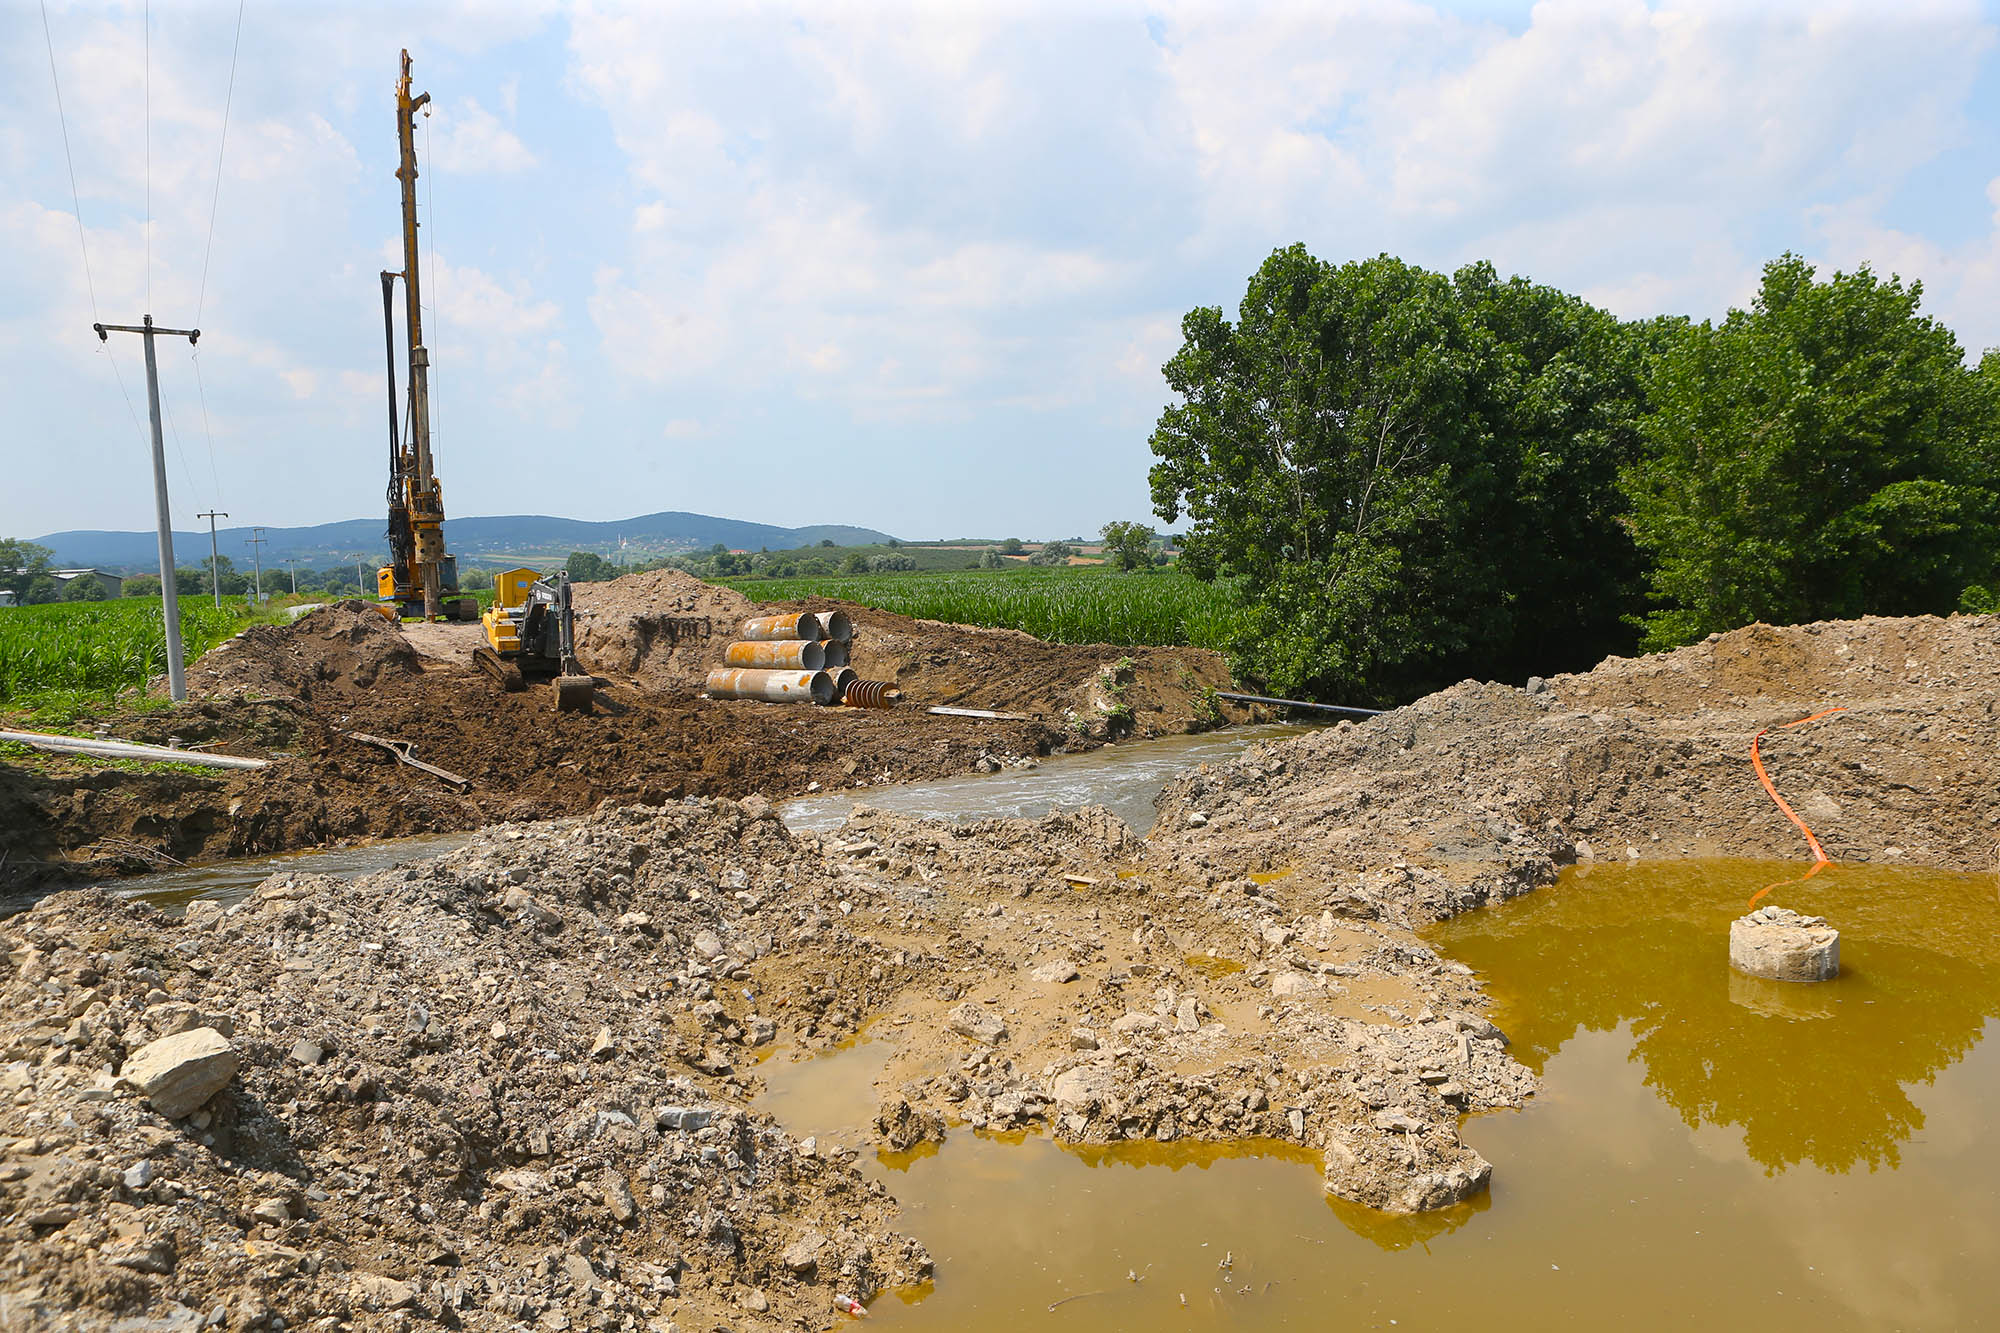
x,y
504,672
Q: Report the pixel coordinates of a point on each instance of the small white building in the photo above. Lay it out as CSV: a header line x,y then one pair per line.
x,y
7,598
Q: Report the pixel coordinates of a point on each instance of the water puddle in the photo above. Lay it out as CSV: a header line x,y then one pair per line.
x,y
1705,1151
1126,777
231,881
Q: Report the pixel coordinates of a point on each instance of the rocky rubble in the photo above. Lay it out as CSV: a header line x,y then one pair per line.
x,y
491,1090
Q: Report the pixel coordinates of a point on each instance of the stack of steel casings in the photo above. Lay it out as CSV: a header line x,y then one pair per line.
x,y
787,658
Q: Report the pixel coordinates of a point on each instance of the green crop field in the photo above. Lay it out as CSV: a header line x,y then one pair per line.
x,y
1060,605
67,650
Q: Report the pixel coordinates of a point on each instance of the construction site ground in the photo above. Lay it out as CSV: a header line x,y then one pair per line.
x,y
293,694
518,1084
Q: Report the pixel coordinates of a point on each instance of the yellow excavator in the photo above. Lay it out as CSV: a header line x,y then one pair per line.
x,y
531,631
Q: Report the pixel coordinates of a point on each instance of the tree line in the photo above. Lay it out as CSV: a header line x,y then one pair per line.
x,y
1415,478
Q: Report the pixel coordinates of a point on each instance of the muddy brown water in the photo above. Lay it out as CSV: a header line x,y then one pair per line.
x,y
1705,1150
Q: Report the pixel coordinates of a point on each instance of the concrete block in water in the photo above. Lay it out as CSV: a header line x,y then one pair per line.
x,y
1782,945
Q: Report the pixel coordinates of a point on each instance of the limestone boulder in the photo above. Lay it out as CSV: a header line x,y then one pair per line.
x,y
177,1073
1782,945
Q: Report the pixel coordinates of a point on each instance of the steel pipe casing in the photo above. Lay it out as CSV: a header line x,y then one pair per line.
x,y
771,686
778,654
837,653
796,625
842,678
870,694
836,625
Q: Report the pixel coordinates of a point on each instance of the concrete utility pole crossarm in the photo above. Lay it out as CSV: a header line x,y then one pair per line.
x,y
170,602
214,560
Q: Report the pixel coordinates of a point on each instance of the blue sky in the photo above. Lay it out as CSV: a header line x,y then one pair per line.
x,y
908,266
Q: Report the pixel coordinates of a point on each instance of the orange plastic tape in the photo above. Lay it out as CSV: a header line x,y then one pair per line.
x,y
1820,859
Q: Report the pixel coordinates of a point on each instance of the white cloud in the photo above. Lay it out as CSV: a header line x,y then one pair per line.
x,y
468,138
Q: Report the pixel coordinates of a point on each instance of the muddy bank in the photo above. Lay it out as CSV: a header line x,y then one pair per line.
x,y
291,693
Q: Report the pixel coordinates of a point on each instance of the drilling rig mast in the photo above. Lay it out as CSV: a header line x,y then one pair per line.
x,y
420,574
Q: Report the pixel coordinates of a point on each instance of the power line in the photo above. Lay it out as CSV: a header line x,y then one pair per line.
x,y
213,474
228,99
147,231
181,449
208,249
76,202
88,282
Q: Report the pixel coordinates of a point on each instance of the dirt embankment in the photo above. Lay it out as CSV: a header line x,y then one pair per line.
x,y
293,693
1481,791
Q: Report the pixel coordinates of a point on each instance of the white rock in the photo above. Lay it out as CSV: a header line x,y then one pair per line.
x,y
1781,945
977,1022
176,1074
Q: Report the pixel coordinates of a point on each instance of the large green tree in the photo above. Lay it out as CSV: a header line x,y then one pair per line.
x,y
21,563
1823,454
1411,476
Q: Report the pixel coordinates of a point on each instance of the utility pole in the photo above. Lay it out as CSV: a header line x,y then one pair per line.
x,y
170,602
256,543
292,564
214,560
360,581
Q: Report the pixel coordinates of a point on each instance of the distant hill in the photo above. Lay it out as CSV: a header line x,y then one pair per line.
x,y
473,540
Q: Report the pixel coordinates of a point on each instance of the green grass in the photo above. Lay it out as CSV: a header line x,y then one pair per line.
x,y
64,657
1074,605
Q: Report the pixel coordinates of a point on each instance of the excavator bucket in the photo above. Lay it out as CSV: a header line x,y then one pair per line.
x,y
575,694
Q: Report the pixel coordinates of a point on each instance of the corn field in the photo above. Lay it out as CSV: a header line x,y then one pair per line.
x,y
1059,605
99,647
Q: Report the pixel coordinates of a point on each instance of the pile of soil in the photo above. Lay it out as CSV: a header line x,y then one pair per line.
x,y
663,629
1483,791
297,694
336,652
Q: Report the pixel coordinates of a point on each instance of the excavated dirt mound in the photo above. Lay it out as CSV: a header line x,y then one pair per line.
x,y
663,628
297,694
336,651
1483,791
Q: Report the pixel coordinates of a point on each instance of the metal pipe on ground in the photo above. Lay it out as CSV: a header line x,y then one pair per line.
x,y
796,625
836,625
837,653
129,750
1298,703
842,678
778,654
771,686
871,694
